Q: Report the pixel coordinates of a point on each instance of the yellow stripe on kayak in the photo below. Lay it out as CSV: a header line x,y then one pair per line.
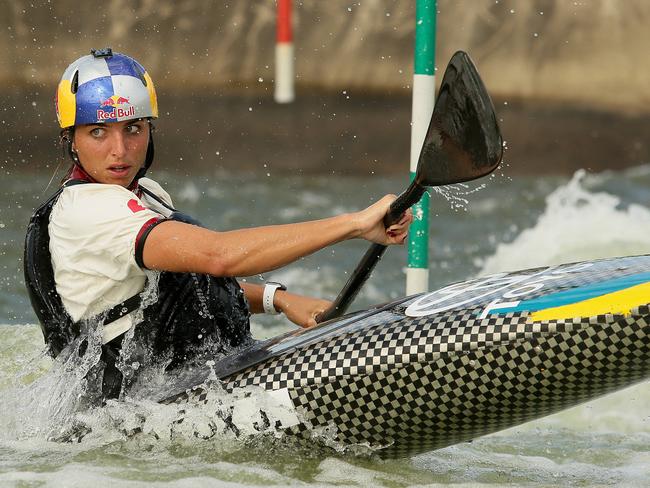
x,y
618,302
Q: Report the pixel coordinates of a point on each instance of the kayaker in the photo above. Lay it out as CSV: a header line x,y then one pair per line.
x,y
93,250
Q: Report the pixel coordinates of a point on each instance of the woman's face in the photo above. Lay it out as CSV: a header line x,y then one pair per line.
x,y
112,152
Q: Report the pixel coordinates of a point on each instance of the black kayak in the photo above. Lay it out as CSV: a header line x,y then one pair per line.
x,y
438,368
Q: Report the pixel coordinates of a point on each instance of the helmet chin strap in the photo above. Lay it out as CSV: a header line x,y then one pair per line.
x,y
148,159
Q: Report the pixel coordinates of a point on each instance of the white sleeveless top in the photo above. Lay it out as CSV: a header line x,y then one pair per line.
x,y
93,231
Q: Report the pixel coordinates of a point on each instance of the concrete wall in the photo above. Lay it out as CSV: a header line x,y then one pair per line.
x,y
588,52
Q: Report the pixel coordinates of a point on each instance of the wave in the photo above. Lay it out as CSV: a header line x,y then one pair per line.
x,y
577,224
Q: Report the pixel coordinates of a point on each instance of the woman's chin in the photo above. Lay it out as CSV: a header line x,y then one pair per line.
x,y
118,178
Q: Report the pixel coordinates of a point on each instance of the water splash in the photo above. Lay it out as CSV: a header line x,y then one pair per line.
x,y
576,225
457,195
46,404
45,393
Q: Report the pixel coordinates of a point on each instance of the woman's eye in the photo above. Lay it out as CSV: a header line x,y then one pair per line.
x,y
96,132
133,129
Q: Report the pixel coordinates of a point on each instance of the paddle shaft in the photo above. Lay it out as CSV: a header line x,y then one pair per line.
x,y
365,267
463,143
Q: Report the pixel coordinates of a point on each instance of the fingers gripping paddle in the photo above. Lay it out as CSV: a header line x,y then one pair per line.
x,y
463,143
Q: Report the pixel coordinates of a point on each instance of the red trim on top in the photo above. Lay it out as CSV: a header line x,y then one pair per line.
x,y
144,229
78,173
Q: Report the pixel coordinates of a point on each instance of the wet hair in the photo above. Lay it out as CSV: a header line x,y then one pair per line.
x,y
66,136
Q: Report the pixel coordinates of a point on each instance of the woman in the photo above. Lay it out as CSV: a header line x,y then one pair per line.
x,y
91,249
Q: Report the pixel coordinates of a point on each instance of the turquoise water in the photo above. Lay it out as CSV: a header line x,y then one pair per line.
x,y
501,223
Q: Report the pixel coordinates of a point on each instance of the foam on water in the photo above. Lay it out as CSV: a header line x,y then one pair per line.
x,y
576,225
44,408
548,458
191,473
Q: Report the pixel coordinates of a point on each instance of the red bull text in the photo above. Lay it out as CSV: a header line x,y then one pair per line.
x,y
114,110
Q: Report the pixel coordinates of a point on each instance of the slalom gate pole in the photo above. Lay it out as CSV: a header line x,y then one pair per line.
x,y
417,273
284,69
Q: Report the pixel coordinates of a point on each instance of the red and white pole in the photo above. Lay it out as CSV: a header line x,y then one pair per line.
x,y
284,55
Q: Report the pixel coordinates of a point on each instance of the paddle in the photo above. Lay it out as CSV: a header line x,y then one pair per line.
x,y
463,143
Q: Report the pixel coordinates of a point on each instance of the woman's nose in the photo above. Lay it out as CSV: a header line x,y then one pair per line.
x,y
118,144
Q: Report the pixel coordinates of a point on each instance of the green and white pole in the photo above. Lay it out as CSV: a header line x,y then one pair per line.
x,y
417,273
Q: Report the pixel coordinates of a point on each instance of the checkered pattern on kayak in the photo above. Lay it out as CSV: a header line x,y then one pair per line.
x,y
443,398
416,384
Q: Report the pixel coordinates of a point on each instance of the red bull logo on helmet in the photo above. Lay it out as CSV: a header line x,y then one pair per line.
x,y
115,107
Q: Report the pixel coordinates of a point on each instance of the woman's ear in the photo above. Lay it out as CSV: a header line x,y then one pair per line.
x,y
64,137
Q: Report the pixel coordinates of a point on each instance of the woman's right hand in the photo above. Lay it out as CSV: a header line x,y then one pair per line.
x,y
370,222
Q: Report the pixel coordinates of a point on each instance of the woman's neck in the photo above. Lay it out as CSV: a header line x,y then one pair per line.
x,y
78,173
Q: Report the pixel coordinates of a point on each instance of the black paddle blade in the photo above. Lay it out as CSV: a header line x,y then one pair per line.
x,y
463,141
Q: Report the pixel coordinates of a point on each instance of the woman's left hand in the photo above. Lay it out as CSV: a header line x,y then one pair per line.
x,y
299,309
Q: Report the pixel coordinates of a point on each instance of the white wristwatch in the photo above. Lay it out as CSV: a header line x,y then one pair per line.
x,y
269,293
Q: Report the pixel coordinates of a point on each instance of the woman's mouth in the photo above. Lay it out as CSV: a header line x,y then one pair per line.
x,y
119,170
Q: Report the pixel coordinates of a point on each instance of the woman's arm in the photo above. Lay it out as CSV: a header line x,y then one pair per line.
x,y
178,247
301,310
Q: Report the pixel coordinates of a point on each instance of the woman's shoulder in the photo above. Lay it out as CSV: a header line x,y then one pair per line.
x,y
98,193
92,202
155,188
151,185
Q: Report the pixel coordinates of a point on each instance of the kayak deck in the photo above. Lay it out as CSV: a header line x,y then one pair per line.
x,y
407,384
